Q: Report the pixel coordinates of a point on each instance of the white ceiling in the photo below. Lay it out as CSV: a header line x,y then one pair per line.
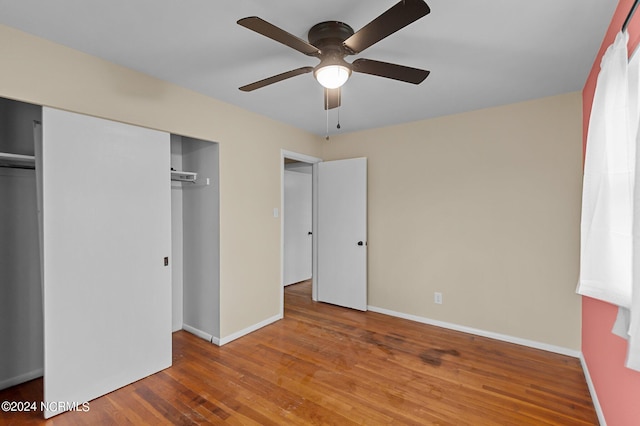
x,y
481,53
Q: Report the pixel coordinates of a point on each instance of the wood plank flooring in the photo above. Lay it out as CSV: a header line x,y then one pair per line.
x,y
327,365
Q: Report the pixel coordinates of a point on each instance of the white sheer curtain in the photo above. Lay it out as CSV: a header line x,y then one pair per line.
x,y
628,322
605,258
610,229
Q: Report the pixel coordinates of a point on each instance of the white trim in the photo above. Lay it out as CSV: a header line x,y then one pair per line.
x,y
12,381
592,391
497,336
314,230
201,334
299,157
234,336
306,159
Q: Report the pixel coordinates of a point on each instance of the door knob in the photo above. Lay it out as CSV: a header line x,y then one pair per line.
x,y
360,243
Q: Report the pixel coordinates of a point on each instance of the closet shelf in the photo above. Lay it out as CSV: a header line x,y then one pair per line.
x,y
17,160
181,176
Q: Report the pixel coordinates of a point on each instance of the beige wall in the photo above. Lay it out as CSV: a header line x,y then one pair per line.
x,y
37,71
483,207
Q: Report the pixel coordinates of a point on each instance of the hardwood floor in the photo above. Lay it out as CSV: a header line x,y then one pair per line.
x,y
327,365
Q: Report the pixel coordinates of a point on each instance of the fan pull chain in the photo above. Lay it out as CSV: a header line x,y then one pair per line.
x,y
326,101
338,126
327,131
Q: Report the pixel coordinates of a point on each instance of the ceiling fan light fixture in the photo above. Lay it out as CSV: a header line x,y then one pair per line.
x,y
332,76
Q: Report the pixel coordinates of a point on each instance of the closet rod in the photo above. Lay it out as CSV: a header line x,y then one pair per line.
x,y
630,15
15,166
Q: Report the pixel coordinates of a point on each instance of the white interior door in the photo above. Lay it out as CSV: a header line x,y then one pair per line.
x,y
297,226
341,274
106,223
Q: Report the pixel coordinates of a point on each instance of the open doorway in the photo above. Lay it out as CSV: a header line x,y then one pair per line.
x,y
339,230
297,222
297,219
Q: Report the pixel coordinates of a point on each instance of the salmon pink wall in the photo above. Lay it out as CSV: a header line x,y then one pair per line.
x,y
617,388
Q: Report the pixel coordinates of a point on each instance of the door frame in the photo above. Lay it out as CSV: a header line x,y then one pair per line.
x,y
314,252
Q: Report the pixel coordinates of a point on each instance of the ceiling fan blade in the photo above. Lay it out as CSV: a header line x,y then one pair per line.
x,y
399,16
332,98
394,71
274,33
275,79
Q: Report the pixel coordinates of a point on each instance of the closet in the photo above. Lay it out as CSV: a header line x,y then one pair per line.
x,y
86,255
21,321
195,233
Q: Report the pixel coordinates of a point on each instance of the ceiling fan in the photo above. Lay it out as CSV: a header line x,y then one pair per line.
x,y
331,41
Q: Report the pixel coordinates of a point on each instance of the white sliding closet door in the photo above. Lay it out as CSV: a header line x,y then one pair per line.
x,y
107,229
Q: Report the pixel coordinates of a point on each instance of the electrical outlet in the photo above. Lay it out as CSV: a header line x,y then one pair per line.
x,y
437,298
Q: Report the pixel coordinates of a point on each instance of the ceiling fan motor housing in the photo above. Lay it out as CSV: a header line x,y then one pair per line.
x,y
329,37
330,34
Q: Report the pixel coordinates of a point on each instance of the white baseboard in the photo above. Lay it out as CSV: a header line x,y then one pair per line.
x,y
201,334
592,391
497,336
12,381
234,336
